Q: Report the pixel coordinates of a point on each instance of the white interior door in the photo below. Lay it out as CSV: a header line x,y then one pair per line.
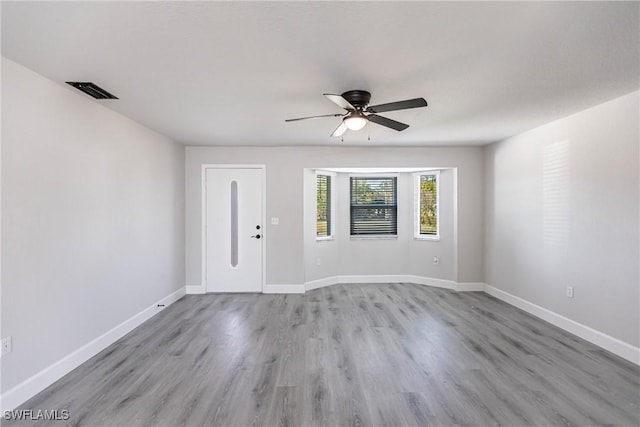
x,y
234,230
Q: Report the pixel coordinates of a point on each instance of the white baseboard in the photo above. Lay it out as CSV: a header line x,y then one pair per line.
x,y
43,379
470,287
195,290
371,278
320,283
283,289
614,345
428,281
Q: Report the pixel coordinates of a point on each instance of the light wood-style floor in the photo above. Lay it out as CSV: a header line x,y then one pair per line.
x,y
370,355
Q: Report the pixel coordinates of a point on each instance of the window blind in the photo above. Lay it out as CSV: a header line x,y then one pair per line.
x,y
323,204
374,206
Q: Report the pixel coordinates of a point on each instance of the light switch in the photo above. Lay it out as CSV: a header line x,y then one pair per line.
x,y
275,221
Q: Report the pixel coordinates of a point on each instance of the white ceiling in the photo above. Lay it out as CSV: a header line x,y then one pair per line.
x,y
212,73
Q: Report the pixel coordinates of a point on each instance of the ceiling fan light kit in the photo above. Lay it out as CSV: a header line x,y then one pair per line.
x,y
356,102
355,120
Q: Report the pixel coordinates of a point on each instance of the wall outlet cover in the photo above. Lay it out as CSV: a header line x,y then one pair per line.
x,y
569,291
6,345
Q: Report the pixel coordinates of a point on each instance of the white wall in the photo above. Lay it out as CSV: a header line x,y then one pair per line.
x,y
92,220
285,168
403,255
562,209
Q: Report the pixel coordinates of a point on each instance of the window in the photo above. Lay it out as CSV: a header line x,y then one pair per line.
x,y
324,211
374,206
426,209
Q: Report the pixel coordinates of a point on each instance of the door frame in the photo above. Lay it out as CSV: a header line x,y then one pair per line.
x,y
203,217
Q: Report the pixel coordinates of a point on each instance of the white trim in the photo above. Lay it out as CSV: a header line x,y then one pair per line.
x,y
325,172
31,386
203,227
283,289
195,290
203,218
264,225
230,166
396,177
426,238
416,206
456,220
394,174
320,283
332,205
614,345
428,281
470,287
376,171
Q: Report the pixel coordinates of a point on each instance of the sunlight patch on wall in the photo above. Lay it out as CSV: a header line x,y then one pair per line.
x,y
556,193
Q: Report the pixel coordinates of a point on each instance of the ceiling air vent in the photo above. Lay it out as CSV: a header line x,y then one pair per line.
x,y
92,90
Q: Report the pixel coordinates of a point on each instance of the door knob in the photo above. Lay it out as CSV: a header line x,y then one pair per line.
x,y
257,236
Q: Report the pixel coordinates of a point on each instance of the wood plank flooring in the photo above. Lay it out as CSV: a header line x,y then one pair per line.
x,y
357,355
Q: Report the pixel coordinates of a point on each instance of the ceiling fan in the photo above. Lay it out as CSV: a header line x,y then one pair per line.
x,y
359,112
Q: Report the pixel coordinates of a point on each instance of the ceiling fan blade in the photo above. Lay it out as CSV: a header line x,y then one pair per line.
x,y
399,105
314,117
340,130
379,120
340,101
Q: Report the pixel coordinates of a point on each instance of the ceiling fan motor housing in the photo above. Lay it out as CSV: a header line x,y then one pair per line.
x,y
358,98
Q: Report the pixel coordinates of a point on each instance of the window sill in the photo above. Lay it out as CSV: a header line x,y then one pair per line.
x,y
373,237
429,238
325,239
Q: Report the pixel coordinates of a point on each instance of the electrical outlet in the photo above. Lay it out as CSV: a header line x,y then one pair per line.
x,y
569,291
275,221
6,345
435,260
318,261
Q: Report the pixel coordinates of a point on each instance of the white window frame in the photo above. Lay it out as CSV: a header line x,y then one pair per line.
x,y
416,206
332,207
375,175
